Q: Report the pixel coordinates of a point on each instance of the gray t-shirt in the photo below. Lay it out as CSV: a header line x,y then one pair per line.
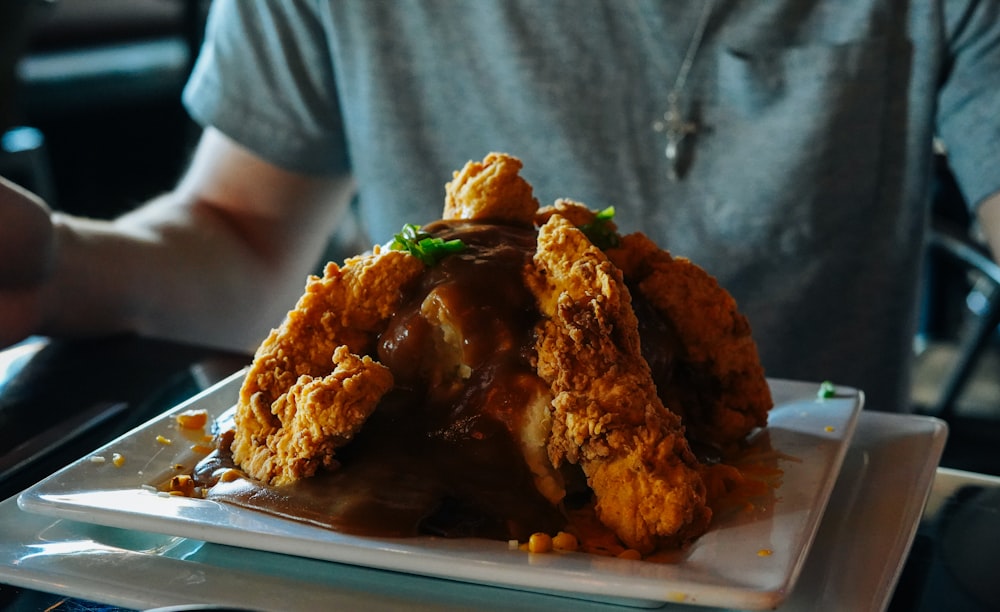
x,y
806,188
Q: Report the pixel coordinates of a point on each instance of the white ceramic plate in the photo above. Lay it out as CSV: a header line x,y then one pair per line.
x,y
854,563
748,562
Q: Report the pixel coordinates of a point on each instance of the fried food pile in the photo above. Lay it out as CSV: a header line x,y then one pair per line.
x,y
598,358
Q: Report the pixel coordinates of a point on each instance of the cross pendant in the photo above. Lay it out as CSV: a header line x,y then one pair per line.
x,y
676,128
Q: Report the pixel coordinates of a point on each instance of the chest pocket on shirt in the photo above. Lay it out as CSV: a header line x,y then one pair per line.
x,y
797,140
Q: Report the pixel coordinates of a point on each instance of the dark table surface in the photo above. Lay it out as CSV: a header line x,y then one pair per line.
x,y
61,399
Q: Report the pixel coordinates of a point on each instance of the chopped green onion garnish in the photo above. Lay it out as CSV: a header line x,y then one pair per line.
x,y
606,214
826,390
600,230
423,246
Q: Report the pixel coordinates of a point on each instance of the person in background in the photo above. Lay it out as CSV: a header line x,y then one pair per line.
x,y
785,147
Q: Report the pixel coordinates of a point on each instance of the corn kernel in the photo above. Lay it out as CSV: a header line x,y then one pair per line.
x,y
192,419
540,543
182,484
163,440
565,541
229,475
118,460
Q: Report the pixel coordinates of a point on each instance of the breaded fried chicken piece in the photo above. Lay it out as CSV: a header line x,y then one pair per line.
x,y
317,415
491,190
348,305
606,414
719,387
347,308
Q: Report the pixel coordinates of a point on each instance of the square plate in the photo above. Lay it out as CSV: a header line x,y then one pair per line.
x,y
749,562
854,564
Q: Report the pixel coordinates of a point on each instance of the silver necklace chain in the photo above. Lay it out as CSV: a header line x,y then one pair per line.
x,y
673,124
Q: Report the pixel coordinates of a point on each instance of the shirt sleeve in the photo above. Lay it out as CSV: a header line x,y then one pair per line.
x,y
969,103
264,77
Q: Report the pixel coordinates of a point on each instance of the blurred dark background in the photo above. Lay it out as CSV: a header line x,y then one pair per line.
x,y
99,81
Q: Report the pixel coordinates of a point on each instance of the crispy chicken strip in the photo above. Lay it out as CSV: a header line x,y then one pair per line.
x,y
607,416
317,415
347,308
491,190
719,387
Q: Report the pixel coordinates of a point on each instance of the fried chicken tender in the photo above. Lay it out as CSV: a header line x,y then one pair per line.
x,y
719,387
607,416
317,415
491,190
300,369
729,396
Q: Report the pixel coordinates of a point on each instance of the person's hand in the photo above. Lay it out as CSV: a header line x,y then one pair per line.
x,y
26,259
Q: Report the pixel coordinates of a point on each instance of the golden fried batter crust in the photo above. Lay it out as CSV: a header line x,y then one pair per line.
x,y
301,363
316,415
730,396
313,384
607,416
491,190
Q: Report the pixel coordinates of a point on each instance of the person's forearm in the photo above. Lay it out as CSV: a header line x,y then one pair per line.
x,y
164,278
174,270
217,261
